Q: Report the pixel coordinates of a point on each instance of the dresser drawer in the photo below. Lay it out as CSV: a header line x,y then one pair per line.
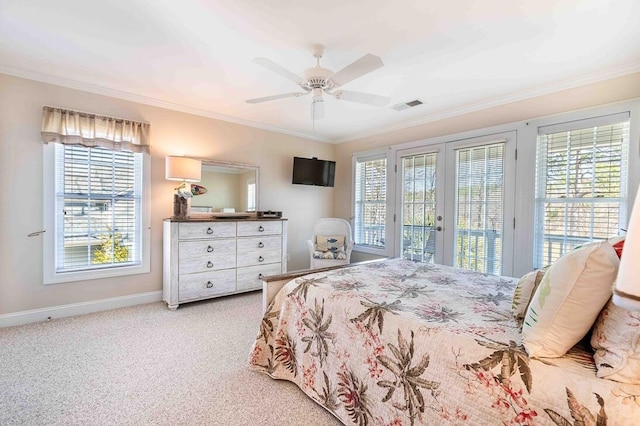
x,y
257,227
206,255
193,231
259,250
250,278
206,284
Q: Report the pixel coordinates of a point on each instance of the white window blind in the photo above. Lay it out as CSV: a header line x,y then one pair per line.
x,y
479,208
98,195
581,175
370,201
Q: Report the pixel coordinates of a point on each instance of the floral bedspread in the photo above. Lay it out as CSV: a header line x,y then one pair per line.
x,y
404,343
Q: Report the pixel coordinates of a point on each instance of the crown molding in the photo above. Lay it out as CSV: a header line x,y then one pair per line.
x,y
429,118
119,94
502,100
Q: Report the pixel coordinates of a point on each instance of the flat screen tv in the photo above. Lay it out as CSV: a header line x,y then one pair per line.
x,y
311,171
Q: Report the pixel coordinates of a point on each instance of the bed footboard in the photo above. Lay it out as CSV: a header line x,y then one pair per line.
x,y
271,284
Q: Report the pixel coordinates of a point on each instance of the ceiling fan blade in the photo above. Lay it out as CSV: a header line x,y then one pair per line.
x,y
274,97
272,66
317,110
363,98
357,69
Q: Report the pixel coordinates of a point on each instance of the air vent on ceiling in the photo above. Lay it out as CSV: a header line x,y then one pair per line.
x,y
405,105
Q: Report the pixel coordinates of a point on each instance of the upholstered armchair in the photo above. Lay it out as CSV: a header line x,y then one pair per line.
x,y
330,243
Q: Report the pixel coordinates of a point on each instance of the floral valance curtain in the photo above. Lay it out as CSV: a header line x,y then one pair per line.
x,y
91,130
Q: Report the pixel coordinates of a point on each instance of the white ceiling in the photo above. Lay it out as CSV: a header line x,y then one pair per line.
x,y
195,55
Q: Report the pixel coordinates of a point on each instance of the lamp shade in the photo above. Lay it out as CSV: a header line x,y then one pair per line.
x,y
183,168
626,292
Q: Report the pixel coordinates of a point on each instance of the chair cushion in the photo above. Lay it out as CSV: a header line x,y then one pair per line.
x,y
333,243
337,255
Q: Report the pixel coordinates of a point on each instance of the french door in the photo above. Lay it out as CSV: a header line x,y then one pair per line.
x,y
456,203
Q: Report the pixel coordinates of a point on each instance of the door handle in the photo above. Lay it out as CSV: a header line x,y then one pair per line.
x,y
438,228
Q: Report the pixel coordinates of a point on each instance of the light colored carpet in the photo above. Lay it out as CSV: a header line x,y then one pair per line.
x,y
147,365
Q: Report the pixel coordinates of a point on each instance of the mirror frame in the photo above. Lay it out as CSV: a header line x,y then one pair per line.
x,y
232,165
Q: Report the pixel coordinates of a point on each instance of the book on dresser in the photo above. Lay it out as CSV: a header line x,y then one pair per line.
x,y
203,259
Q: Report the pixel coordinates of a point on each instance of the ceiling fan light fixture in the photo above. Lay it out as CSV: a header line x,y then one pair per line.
x,y
319,80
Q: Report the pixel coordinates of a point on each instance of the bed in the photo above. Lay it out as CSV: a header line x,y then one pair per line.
x,y
404,343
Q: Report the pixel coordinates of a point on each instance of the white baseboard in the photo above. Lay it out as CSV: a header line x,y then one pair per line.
x,y
62,311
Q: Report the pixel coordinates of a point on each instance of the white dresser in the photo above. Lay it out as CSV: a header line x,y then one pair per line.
x,y
205,259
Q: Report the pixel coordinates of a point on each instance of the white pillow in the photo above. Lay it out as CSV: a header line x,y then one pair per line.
x,y
616,342
569,299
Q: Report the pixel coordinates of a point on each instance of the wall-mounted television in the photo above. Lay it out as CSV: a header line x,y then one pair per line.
x,y
311,171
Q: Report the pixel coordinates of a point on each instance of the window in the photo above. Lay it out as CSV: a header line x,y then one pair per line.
x,y
581,175
370,208
95,209
251,195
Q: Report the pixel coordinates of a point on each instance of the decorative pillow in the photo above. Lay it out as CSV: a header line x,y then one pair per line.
x,y
330,243
338,255
525,289
616,340
569,299
618,244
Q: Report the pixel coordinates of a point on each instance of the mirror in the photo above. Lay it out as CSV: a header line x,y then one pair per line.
x,y
232,189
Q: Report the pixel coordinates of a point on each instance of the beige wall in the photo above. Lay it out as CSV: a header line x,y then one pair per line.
x,y
614,90
172,132
21,103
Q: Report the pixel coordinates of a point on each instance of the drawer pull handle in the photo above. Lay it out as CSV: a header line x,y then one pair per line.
x,y
209,284
260,277
260,259
209,231
260,229
260,245
209,264
209,249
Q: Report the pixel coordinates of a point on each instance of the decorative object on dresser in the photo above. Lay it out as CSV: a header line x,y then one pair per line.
x,y
183,169
268,214
203,259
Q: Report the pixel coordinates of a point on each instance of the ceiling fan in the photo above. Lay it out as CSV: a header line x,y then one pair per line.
x,y
319,81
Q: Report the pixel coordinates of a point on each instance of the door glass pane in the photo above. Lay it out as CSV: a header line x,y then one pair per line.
x,y
479,208
418,207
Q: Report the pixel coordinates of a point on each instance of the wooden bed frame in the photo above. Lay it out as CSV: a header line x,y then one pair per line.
x,y
271,284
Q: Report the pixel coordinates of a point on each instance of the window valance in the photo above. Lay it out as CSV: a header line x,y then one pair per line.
x,y
91,130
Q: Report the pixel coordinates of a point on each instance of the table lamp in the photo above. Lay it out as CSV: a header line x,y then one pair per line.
x,y
626,292
183,169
